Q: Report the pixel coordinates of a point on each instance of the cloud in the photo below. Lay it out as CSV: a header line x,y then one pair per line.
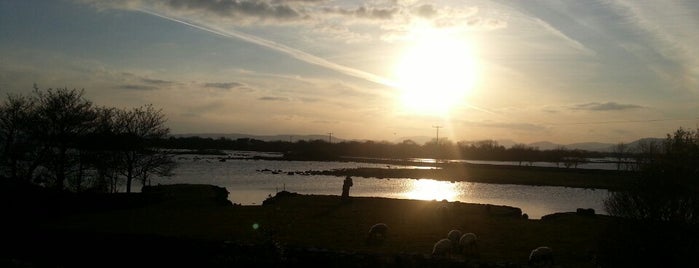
x,y
570,40
293,52
259,9
267,98
608,106
156,81
336,31
669,29
225,85
426,11
487,24
514,126
372,13
240,10
137,87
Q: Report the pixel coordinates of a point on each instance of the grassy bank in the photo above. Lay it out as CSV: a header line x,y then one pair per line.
x,y
189,225
292,229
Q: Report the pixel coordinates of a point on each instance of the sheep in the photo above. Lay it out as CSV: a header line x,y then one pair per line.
x,y
467,242
454,236
377,233
442,247
541,256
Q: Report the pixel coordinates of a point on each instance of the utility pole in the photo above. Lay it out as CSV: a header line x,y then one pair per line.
x,y
330,137
436,160
437,127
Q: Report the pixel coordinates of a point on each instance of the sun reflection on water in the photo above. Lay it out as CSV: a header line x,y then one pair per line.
x,y
427,189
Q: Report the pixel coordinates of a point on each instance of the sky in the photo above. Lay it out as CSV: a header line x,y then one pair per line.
x,y
561,71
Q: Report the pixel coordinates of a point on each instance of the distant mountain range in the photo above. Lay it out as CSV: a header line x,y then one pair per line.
x,y
542,145
282,137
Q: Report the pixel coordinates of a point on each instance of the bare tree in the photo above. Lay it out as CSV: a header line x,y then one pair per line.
x,y
666,187
620,152
100,149
15,142
63,117
137,129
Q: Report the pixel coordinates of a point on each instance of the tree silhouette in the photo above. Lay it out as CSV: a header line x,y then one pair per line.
x,y
620,152
666,187
16,146
57,138
137,129
62,117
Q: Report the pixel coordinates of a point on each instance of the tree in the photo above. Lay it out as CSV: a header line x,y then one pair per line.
x,y
15,143
666,186
137,130
100,151
62,118
620,152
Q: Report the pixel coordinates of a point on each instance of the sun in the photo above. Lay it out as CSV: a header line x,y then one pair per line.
x,y
436,73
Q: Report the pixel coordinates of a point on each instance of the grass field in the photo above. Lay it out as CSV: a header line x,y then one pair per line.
x,y
311,223
194,228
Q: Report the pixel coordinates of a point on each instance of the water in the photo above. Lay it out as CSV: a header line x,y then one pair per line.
x,y
248,185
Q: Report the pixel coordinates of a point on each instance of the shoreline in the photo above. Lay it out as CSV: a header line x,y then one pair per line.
x,y
496,174
182,224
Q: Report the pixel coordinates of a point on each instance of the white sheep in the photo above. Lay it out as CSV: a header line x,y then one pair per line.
x,y
442,247
467,242
454,236
377,233
541,256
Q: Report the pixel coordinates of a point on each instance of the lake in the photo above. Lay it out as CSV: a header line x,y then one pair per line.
x,y
251,181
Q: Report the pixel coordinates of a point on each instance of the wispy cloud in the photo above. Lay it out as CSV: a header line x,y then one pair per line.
x,y
242,11
506,125
364,12
296,53
671,32
502,125
224,85
137,87
268,98
573,43
608,106
156,81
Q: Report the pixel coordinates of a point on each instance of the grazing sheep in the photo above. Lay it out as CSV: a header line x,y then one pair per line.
x,y
377,233
442,247
541,256
467,242
454,235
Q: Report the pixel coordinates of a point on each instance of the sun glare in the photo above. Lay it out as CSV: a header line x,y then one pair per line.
x,y
437,72
426,189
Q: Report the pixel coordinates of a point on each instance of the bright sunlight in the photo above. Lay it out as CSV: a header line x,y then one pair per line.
x,y
436,73
426,189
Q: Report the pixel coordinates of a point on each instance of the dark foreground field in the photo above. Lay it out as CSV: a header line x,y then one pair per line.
x,y
191,225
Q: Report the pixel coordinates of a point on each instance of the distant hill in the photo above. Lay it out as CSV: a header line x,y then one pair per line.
x,y
282,137
591,146
646,140
542,145
545,145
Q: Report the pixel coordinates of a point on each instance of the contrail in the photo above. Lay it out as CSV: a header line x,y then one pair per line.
x,y
298,54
